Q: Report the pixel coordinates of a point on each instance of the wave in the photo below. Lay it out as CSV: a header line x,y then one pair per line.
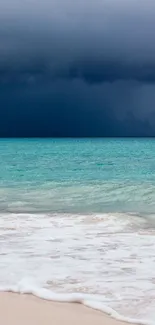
x,y
113,251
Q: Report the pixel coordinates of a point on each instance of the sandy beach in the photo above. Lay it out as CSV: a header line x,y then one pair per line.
x,y
28,310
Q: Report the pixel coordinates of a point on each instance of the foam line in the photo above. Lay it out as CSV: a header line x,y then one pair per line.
x,y
90,301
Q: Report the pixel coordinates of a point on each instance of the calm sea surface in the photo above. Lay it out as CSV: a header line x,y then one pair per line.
x,y
78,217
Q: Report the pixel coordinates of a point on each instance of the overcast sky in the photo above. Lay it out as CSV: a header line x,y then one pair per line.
x,y
77,68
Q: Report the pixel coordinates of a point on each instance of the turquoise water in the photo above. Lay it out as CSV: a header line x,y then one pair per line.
x,y
77,176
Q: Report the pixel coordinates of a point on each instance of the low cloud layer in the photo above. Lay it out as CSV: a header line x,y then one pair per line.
x,y
77,69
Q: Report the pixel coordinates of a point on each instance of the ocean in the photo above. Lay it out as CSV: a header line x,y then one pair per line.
x,y
77,222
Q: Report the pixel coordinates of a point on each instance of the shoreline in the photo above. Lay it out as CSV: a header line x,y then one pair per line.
x,y
23,309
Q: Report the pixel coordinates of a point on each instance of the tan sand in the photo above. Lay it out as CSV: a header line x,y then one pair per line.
x,y
27,310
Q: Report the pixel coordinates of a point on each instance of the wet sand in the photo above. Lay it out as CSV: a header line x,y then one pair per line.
x,y
18,309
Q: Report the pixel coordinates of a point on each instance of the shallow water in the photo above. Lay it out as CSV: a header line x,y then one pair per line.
x,y
78,216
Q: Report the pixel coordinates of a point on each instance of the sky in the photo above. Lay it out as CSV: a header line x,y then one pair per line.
x,y
73,68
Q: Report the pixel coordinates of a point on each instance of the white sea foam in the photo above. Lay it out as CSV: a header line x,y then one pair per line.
x,y
106,261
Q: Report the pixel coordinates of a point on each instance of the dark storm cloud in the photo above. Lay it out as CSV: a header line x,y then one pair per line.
x,y
91,71
77,69
65,108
